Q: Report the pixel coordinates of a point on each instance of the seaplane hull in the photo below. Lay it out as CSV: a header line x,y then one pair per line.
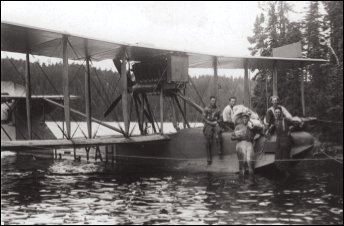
x,y
186,151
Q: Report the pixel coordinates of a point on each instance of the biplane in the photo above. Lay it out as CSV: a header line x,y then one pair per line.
x,y
158,71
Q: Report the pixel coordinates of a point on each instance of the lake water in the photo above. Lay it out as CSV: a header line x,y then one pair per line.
x,y
34,192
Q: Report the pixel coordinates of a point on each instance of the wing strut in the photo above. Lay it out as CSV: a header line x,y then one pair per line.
x,y
125,106
28,95
303,91
216,80
65,82
181,110
246,86
274,79
83,115
88,98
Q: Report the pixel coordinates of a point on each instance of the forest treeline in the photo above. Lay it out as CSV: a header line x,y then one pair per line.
x,y
47,80
321,35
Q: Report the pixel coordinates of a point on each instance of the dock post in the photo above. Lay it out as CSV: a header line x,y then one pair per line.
x,y
65,82
55,153
246,86
87,152
74,153
303,91
98,154
28,95
274,79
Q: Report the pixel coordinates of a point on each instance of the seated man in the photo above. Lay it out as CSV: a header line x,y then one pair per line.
x,y
270,113
210,116
283,127
228,114
244,148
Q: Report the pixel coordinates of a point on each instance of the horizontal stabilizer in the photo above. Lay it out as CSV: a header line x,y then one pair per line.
x,y
78,142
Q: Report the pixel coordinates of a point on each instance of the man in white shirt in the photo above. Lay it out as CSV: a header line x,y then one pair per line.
x,y
270,113
228,113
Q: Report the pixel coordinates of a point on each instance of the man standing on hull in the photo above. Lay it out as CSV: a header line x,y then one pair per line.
x,y
244,148
283,127
211,116
228,114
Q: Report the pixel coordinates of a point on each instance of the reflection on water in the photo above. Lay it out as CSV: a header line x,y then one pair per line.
x,y
33,192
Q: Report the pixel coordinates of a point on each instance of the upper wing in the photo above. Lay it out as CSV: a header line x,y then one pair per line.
x,y
17,38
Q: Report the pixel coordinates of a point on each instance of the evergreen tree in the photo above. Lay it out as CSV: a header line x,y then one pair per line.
x,y
276,32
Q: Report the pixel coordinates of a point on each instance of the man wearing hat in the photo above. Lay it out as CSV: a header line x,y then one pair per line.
x,y
211,117
244,148
270,113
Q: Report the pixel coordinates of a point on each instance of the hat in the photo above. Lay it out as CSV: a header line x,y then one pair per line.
x,y
274,97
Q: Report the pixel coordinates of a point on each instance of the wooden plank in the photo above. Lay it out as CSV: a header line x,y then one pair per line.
x,y
303,92
125,105
83,115
215,91
274,79
246,86
65,84
88,98
162,110
78,142
28,95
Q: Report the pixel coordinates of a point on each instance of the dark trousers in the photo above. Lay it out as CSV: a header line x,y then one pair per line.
x,y
209,132
284,145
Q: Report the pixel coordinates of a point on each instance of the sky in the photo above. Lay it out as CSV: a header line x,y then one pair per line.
x,y
219,28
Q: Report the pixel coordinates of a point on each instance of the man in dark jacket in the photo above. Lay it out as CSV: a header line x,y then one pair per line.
x,y
283,127
270,113
211,116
